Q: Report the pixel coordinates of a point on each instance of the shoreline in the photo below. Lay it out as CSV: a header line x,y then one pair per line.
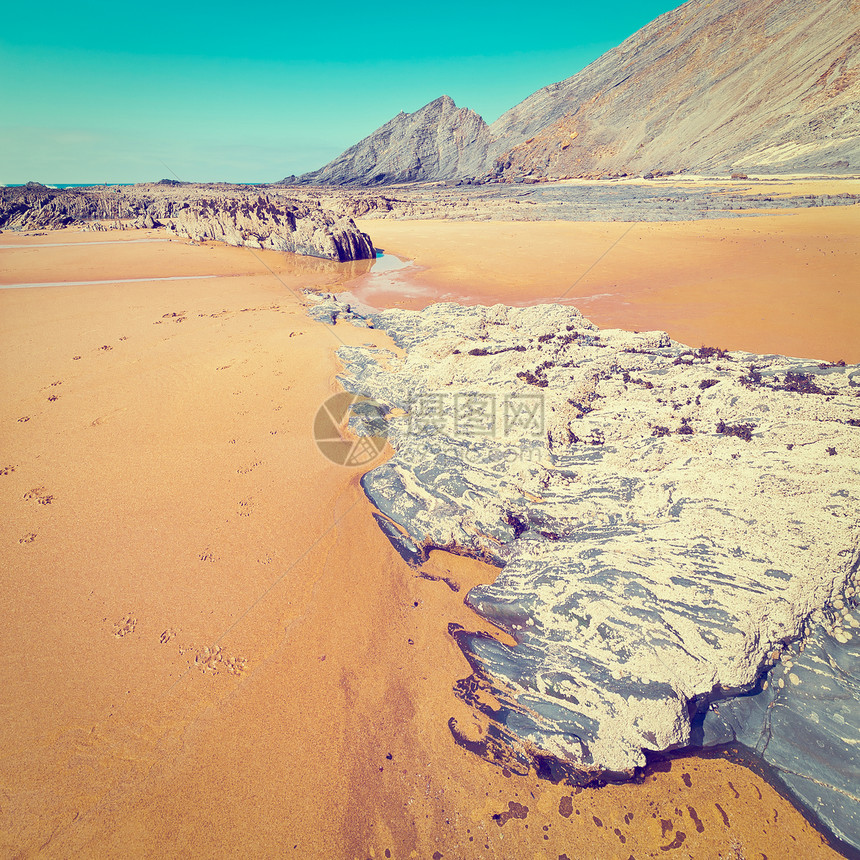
x,y
772,284
180,495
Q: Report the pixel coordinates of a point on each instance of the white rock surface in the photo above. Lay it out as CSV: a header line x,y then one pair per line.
x,y
652,564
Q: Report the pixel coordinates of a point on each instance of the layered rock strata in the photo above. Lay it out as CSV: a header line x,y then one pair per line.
x,y
236,216
668,521
802,720
439,141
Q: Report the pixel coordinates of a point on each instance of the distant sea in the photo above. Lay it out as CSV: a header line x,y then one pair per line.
x,y
103,184
69,184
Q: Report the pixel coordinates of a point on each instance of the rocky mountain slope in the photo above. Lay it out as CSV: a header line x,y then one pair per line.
x,y
767,86
234,215
440,141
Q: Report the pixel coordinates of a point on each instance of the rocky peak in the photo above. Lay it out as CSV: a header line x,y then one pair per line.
x,y
438,141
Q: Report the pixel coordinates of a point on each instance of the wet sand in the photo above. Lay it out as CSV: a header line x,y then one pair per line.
x,y
783,283
209,649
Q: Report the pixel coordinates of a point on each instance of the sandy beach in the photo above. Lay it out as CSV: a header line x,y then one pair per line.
x,y
781,283
209,648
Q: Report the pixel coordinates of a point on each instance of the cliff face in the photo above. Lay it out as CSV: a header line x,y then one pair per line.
x,y
715,85
767,86
236,217
440,141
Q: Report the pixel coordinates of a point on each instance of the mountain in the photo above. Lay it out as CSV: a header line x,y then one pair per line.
x,y
712,86
736,84
440,141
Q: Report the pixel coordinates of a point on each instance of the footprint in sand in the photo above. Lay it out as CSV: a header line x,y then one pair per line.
x,y
123,338
53,397
106,347
39,495
76,358
167,635
214,659
28,538
246,506
207,555
124,626
7,470
245,470
24,419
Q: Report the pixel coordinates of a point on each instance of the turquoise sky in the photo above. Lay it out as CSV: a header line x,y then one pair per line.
x,y
130,92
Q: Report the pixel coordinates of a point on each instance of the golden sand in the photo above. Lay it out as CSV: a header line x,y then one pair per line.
x,y
208,647
783,283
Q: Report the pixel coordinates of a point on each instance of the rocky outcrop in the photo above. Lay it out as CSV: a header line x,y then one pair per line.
x,y
668,522
262,223
236,216
726,86
669,199
439,141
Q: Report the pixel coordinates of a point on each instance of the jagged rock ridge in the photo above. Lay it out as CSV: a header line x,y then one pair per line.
x,y
766,86
236,217
439,141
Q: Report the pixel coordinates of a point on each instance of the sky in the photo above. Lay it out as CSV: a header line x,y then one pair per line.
x,y
116,92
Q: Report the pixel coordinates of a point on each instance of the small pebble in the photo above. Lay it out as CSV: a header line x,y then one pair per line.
x,y
794,679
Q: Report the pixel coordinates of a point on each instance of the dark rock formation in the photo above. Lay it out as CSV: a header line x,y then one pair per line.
x,y
725,86
235,216
802,719
668,522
